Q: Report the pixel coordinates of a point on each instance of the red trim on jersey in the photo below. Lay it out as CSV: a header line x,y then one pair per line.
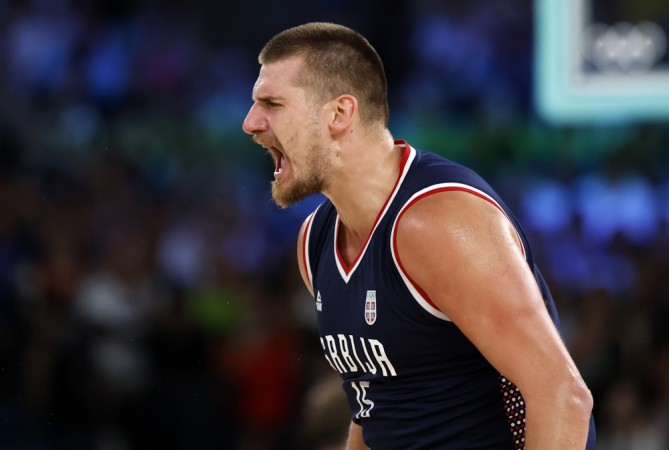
x,y
347,268
307,230
406,207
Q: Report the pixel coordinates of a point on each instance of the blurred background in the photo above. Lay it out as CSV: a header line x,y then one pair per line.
x,y
149,293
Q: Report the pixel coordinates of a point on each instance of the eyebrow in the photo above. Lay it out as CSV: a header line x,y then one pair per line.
x,y
267,99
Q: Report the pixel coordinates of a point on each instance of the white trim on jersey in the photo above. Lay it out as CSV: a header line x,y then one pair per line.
x,y
342,271
409,284
305,246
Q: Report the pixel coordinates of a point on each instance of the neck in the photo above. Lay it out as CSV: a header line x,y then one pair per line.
x,y
363,178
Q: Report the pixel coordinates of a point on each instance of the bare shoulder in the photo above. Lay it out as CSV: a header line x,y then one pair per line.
x,y
454,218
453,244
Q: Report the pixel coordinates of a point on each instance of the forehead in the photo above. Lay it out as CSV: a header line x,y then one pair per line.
x,y
278,78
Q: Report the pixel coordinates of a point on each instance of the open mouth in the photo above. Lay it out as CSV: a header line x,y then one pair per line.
x,y
278,159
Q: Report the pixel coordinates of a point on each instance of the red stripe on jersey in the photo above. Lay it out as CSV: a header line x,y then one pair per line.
x,y
307,230
347,268
407,206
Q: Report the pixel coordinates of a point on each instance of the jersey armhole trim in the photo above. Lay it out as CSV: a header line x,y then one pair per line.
x,y
305,249
416,291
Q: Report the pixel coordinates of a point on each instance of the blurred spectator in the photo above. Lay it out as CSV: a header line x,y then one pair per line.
x,y
114,313
628,425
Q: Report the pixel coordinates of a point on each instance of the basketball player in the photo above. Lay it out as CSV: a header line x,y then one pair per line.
x,y
428,301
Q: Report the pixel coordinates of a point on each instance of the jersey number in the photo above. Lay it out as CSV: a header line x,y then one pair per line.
x,y
366,404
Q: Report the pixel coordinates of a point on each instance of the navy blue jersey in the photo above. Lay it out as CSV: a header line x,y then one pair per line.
x,y
412,379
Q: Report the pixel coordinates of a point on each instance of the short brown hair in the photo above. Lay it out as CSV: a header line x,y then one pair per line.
x,y
337,60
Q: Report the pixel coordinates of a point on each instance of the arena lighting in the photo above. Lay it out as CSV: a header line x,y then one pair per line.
x,y
594,73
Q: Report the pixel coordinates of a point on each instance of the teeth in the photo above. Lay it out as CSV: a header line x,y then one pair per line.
x,y
278,160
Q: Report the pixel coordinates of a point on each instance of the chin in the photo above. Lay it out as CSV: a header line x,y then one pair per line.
x,y
285,196
280,195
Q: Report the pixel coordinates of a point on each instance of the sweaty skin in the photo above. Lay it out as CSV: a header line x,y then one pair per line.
x,y
489,291
492,296
282,121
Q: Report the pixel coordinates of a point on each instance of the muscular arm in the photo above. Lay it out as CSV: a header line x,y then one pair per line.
x,y
466,256
355,441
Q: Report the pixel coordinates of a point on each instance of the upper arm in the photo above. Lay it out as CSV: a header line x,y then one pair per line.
x,y
301,253
467,257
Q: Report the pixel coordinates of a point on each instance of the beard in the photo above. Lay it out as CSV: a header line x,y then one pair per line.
x,y
311,182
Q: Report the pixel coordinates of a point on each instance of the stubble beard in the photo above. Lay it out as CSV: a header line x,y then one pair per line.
x,y
312,182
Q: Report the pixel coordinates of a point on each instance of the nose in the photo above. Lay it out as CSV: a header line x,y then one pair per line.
x,y
255,121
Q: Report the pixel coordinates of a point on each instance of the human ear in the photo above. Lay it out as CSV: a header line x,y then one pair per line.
x,y
344,109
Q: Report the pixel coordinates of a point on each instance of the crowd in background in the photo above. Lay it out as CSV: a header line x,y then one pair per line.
x,y
149,294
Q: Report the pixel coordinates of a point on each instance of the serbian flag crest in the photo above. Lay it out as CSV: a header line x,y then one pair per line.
x,y
370,308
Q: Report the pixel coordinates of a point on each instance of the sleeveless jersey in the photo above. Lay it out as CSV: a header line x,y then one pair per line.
x,y
412,379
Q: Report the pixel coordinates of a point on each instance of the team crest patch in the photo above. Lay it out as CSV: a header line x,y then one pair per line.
x,y
370,308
